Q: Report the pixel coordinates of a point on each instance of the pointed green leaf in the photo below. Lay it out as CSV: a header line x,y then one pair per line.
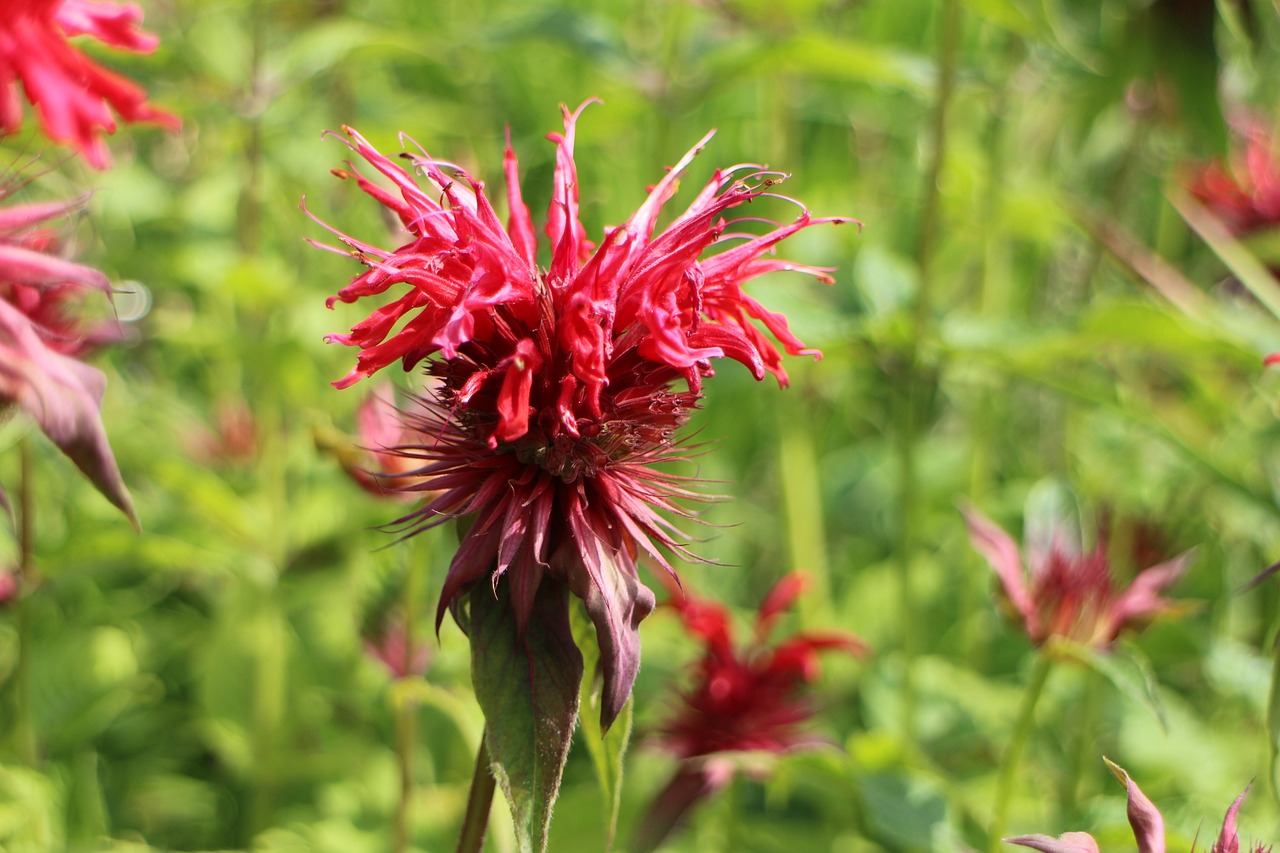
x,y
528,689
607,749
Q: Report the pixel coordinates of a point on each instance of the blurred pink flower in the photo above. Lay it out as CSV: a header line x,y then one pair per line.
x,y
391,649
1245,195
1148,827
388,471
743,700
37,340
73,95
1072,595
559,386
9,586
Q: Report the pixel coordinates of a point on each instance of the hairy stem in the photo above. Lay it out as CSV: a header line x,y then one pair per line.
x,y
479,802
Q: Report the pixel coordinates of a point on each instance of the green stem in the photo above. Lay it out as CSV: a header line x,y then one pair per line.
x,y
1086,752
479,802
1013,755
24,725
909,415
407,706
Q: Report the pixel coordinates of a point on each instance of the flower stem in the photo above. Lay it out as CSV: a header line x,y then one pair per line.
x,y
909,416
479,802
1013,755
24,726
407,706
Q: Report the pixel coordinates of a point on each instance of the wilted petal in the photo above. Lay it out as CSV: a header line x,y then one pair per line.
x,y
65,397
1071,842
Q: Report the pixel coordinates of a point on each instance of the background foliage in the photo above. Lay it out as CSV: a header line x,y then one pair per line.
x,y
204,685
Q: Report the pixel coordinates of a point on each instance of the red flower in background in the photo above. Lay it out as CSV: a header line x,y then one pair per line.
x,y
558,387
1148,827
743,699
750,698
1246,195
1071,594
39,339
74,96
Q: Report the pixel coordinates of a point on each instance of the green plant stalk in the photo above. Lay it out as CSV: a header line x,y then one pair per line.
x,y
24,721
1086,751
909,415
802,504
407,706
479,802
1013,754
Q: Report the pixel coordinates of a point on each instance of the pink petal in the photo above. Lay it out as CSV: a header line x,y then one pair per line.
x,y
1144,817
1002,555
1141,599
1071,842
65,397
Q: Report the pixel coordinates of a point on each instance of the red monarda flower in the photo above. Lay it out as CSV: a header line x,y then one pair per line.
x,y
1071,594
560,387
747,699
74,96
39,339
750,698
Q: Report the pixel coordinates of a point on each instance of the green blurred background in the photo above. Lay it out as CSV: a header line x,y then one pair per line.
x,y
204,685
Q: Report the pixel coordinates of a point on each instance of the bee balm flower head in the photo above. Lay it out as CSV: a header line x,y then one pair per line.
x,y
75,97
560,387
1071,594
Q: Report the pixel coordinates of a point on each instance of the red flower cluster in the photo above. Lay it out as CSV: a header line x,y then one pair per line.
x,y
743,700
39,342
1071,595
750,698
557,387
74,96
1245,196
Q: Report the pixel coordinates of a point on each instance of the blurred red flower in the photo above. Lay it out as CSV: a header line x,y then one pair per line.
x,y
743,699
1071,594
1245,195
1148,827
39,339
749,698
74,96
558,386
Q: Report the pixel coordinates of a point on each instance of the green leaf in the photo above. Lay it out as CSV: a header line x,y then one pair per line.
x,y
1123,665
528,689
607,749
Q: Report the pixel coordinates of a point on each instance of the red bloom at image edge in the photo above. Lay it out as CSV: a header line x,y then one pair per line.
x,y
559,389
1148,827
1071,595
74,97
745,699
40,339
1245,195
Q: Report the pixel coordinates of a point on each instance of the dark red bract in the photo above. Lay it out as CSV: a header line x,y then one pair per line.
x,y
558,389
